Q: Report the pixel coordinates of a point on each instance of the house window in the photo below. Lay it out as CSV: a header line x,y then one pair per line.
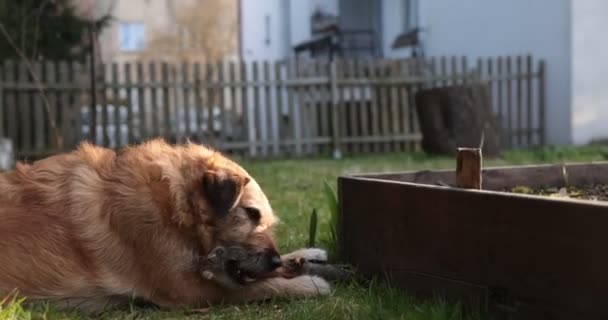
x,y
131,36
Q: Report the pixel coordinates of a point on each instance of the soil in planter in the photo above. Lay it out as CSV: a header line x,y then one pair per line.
x,y
598,192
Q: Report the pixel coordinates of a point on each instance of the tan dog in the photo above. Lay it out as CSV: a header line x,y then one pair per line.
x,y
93,228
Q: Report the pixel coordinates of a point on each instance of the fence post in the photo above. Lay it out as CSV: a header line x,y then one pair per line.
x,y
541,102
333,87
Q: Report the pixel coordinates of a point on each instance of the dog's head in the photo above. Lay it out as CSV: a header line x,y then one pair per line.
x,y
230,209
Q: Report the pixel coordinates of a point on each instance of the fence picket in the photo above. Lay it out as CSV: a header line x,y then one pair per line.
x,y
519,100
362,105
38,110
277,111
221,104
50,76
264,113
528,80
25,127
394,103
509,103
117,104
129,104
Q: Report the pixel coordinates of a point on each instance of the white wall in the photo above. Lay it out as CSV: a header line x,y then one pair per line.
x,y
289,25
498,27
254,30
590,70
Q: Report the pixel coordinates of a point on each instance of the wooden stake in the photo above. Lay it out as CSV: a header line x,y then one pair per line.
x,y
468,168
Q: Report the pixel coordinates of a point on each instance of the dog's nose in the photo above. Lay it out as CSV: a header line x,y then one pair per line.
x,y
275,261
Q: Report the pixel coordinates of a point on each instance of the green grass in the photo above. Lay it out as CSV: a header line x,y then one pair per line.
x,y
295,188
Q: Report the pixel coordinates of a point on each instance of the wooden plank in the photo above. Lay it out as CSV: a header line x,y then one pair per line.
x,y
336,143
166,101
265,112
245,107
24,110
78,72
320,104
432,65
296,115
363,102
65,105
255,77
455,79
198,103
375,119
277,112
468,168
464,69
529,106
127,67
519,88
142,106
541,102
117,104
102,102
444,70
39,124
414,113
404,104
306,127
385,129
499,89
154,108
209,104
509,105
51,76
187,98
233,121
489,79
342,103
352,105
176,105
221,103
394,103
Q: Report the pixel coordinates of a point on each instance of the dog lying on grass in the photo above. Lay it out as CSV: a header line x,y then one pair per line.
x,y
94,228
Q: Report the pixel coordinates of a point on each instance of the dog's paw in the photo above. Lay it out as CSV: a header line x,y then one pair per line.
x,y
309,286
310,254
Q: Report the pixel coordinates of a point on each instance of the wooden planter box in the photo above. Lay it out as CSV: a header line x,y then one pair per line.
x,y
517,256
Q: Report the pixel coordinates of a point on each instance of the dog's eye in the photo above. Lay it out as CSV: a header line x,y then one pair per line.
x,y
253,214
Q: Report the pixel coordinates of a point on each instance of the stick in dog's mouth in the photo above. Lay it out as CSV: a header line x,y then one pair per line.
x,y
233,266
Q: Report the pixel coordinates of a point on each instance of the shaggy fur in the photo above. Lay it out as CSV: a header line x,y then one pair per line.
x,y
94,227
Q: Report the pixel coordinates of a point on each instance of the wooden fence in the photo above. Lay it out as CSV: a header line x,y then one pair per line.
x,y
255,108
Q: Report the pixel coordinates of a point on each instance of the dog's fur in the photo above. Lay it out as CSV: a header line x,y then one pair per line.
x,y
95,227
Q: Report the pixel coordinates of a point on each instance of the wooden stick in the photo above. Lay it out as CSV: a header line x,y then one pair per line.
x,y
468,168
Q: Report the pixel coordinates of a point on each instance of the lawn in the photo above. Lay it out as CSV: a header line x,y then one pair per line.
x,y
294,188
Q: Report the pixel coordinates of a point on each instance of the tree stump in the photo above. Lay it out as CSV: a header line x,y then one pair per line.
x,y
457,116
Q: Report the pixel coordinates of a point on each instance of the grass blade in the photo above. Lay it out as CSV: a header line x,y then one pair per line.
x,y
332,203
312,232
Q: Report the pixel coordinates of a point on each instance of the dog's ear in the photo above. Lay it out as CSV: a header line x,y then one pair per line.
x,y
223,190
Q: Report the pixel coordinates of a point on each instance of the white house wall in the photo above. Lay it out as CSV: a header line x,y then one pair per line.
x,y
590,70
481,28
289,25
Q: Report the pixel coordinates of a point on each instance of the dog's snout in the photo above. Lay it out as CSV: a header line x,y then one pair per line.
x,y
275,261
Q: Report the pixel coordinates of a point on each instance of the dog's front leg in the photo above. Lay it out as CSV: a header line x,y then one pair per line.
x,y
299,287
